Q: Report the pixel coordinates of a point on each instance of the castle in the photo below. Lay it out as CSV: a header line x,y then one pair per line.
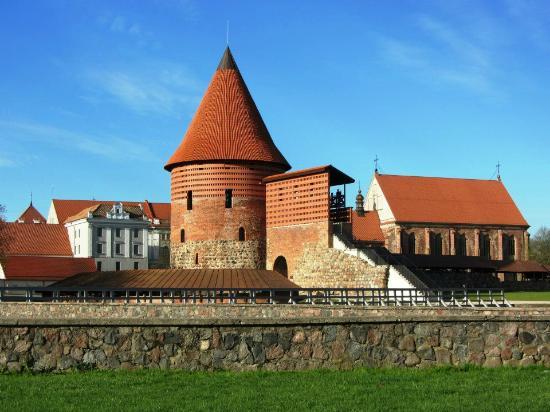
x,y
236,205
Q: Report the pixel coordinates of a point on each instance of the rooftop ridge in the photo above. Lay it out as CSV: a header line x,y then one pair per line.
x,y
439,177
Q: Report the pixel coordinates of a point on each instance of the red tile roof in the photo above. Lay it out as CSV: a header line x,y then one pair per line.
x,y
337,177
102,210
449,200
31,215
65,208
366,228
525,266
183,278
37,240
45,267
227,125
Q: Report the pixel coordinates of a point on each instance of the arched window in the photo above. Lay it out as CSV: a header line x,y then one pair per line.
x,y
189,200
408,243
412,244
196,258
241,234
460,244
508,247
281,266
436,244
182,235
484,245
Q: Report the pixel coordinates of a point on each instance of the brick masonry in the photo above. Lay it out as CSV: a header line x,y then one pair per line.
x,y
392,234
210,228
312,263
43,337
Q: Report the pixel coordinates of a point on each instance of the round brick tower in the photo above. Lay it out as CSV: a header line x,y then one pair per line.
x,y
218,198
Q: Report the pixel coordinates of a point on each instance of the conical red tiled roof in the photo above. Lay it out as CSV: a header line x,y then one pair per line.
x,y
227,125
31,215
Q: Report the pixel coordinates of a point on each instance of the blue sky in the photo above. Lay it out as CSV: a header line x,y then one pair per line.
x,y
97,95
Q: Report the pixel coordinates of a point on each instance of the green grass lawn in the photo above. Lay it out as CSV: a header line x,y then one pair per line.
x,y
373,389
542,296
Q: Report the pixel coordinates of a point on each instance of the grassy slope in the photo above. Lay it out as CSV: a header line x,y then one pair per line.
x,y
532,296
375,389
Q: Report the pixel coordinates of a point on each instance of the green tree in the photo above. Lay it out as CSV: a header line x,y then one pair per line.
x,y
539,246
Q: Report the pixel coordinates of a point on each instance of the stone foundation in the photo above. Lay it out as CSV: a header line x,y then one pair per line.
x,y
43,337
219,254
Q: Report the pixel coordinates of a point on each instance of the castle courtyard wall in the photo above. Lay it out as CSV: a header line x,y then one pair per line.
x,y
58,337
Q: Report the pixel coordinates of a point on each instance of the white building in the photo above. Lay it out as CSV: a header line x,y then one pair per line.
x,y
115,235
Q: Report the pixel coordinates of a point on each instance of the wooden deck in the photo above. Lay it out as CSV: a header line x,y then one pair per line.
x,y
182,279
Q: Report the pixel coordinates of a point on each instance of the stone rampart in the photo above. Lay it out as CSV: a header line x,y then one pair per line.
x,y
49,336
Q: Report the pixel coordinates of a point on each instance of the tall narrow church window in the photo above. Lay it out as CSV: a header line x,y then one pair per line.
x,y
228,198
460,244
189,200
508,247
435,244
484,245
411,244
241,234
408,243
196,258
182,235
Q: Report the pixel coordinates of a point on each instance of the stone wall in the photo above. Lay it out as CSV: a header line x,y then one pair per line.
x,y
219,254
43,337
320,266
312,262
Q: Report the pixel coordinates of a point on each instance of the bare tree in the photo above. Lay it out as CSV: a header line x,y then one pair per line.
x,y
539,246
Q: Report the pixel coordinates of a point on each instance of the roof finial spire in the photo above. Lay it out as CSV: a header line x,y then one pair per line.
x,y
31,197
498,170
376,159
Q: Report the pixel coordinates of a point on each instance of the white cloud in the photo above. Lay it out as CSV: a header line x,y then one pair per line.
x,y
163,88
110,147
448,56
456,42
5,162
534,18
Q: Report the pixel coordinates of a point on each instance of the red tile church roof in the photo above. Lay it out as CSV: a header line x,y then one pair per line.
x,y
36,240
227,125
366,228
45,267
449,200
31,215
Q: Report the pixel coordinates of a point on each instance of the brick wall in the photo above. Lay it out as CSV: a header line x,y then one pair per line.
x,y
392,234
44,337
211,229
290,242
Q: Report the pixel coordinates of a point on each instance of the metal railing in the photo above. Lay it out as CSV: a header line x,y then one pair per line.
x,y
306,296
